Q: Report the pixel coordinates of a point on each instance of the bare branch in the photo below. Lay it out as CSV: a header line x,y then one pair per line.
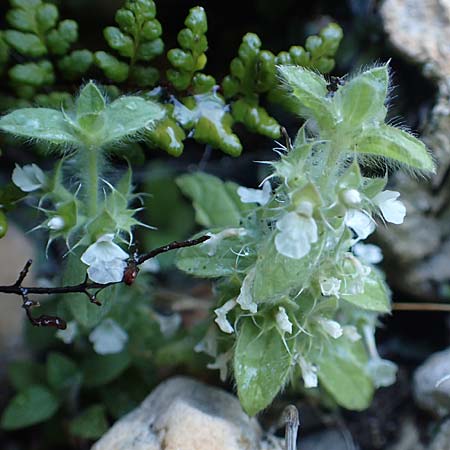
x,y
85,287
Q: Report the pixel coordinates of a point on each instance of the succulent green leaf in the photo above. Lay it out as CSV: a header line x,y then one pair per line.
x,y
60,39
76,64
46,16
90,424
398,145
261,366
27,44
33,405
39,123
144,76
167,135
111,66
33,74
196,20
119,41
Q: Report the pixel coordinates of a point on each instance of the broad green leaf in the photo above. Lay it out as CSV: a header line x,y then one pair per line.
x,y
310,89
396,144
361,100
216,202
84,312
341,372
261,366
90,424
198,260
101,369
33,405
277,275
128,115
39,123
23,374
376,296
62,372
90,100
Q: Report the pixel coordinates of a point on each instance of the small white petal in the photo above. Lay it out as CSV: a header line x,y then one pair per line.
x,y
105,272
168,324
208,344
150,266
351,333
56,223
382,372
69,334
305,208
369,253
393,210
221,363
261,196
108,337
215,239
351,197
245,298
28,178
221,316
283,322
360,222
330,286
104,249
331,327
309,372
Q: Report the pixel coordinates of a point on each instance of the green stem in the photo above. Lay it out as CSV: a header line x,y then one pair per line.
x,y
91,180
331,166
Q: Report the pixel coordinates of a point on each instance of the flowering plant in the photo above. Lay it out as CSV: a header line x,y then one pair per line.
x,y
299,293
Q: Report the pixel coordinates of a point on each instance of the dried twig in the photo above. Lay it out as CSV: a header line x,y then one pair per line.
x,y
290,418
85,287
420,306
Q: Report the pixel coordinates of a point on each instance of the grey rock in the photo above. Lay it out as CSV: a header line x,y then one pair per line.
x,y
441,441
184,414
431,385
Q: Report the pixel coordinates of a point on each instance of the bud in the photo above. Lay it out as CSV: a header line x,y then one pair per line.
x,y
351,197
56,223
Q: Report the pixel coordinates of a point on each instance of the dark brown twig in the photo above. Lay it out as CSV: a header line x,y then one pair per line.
x,y
85,287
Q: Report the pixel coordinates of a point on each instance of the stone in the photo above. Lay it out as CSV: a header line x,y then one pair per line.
x,y
184,414
431,384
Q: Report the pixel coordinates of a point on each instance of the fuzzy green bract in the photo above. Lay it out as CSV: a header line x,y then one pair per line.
x,y
298,291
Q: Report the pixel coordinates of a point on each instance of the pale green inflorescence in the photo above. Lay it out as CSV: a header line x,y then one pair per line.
x,y
90,212
299,293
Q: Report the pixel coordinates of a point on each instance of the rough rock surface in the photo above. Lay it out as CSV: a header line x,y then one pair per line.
x,y
184,414
420,248
431,385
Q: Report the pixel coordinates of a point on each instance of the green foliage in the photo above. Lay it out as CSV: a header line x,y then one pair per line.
x,y
297,295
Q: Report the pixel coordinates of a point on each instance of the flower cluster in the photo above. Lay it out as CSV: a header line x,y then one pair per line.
x,y
300,291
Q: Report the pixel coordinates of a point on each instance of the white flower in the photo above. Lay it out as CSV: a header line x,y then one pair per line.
x,y
261,196
68,335
351,197
360,222
297,233
56,223
351,333
382,372
215,239
330,286
150,266
221,363
221,316
245,298
168,324
393,210
283,322
108,337
208,344
28,178
106,260
331,327
309,372
368,253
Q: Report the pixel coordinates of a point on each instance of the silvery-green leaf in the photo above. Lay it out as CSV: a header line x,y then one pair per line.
x,y
39,123
376,296
90,100
361,100
261,366
129,115
310,88
341,372
396,144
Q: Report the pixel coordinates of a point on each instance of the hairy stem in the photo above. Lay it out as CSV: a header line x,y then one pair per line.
x,y
91,179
